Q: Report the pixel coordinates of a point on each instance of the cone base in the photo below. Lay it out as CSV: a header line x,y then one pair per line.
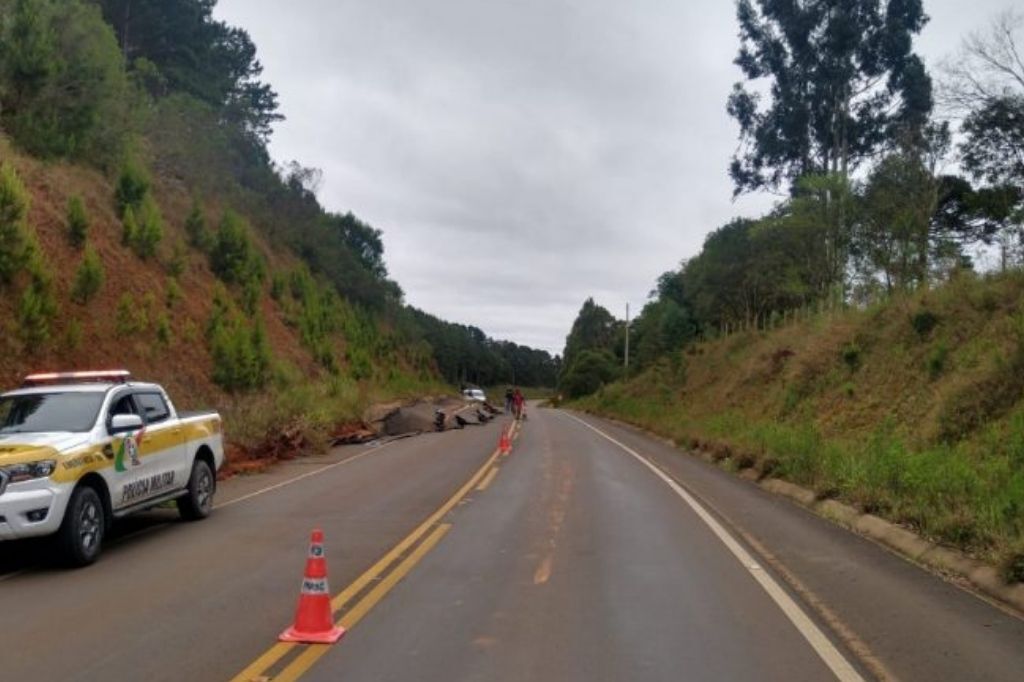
x,y
327,637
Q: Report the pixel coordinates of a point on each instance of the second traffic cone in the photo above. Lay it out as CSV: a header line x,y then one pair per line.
x,y
314,622
505,444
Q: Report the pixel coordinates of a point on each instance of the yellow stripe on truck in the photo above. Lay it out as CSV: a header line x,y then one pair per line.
x,y
72,466
20,454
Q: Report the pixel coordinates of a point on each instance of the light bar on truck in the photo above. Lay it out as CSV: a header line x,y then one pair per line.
x,y
117,376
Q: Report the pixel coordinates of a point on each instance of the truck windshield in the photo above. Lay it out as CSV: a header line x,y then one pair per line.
x,y
48,412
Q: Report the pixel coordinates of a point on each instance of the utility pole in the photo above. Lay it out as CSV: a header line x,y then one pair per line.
x,y
627,341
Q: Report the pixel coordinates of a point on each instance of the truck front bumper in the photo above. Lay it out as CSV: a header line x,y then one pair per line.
x,y
31,509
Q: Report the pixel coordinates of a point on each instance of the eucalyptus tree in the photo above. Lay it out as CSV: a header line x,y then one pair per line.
x,y
830,83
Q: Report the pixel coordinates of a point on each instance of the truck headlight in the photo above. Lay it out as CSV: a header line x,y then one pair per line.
x,y
16,473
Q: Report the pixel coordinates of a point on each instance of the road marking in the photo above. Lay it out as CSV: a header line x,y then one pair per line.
x,y
284,484
488,479
543,573
832,657
256,670
315,652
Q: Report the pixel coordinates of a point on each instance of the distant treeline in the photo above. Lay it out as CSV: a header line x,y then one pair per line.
x,y
161,88
849,134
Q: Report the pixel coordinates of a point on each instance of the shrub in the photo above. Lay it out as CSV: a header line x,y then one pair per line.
x,y
73,336
14,237
232,257
150,229
278,287
1013,565
129,227
851,356
132,188
38,306
241,356
173,295
78,222
163,330
88,278
937,360
130,318
198,233
923,322
179,259
591,370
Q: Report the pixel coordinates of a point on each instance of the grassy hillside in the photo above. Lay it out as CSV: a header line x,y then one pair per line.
x,y
153,315
912,409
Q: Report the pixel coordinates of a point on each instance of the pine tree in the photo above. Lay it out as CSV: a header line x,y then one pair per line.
x,y
78,222
89,278
129,227
199,236
14,237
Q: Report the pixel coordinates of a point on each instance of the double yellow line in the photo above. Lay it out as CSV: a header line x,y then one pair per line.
x,y
258,670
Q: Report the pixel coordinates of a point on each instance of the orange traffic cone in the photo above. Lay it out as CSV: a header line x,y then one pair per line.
x,y
505,444
314,623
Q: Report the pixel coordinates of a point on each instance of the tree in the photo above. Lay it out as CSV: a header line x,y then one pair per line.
x,y
233,258
899,204
133,185
14,237
195,54
37,306
985,84
589,371
844,83
61,76
88,278
150,229
199,236
987,67
593,329
993,150
78,222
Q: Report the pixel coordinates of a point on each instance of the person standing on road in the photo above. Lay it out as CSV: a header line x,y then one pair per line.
x,y
518,402
509,395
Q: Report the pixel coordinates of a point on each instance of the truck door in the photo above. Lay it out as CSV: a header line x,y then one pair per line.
x,y
125,452
164,442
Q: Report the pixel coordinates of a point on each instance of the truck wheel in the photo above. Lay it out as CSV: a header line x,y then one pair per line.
x,y
81,533
197,503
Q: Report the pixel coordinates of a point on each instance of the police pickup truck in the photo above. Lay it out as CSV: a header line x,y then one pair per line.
x,y
79,449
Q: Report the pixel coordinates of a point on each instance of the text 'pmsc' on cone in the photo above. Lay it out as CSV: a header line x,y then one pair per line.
x,y
314,622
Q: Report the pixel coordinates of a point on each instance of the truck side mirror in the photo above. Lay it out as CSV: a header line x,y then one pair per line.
x,y
120,423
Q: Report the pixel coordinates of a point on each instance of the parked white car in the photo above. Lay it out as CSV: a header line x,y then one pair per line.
x,y
79,449
474,394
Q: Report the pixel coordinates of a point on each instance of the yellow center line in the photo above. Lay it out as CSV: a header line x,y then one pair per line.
x,y
255,670
488,479
301,665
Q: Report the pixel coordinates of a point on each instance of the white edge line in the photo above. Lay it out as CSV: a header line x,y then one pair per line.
x,y
836,662
304,476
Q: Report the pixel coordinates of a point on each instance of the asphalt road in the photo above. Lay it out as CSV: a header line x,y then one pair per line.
x,y
590,553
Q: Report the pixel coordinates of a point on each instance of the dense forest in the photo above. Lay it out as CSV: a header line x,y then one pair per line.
x,y
894,179
157,94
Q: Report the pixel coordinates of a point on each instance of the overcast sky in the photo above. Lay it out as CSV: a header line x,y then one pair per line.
x,y
520,156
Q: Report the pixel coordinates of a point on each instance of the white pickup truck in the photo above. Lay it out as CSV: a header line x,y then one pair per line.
x,y
79,449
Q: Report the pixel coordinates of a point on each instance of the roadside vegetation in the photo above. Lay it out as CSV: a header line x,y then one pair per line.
x,y
866,337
